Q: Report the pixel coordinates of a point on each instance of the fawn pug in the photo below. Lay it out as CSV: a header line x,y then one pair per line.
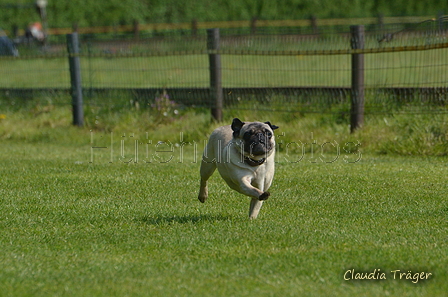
x,y
244,155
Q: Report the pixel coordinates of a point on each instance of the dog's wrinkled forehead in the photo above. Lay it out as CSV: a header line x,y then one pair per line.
x,y
255,128
239,127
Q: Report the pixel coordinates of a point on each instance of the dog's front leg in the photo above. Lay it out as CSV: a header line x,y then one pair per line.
x,y
257,195
255,206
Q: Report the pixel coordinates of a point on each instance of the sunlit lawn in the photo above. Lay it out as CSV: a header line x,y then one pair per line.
x,y
74,228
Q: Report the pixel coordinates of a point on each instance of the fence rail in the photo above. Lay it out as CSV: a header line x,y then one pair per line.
x,y
410,48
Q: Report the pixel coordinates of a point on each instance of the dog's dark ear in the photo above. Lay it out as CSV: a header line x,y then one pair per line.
x,y
273,127
236,126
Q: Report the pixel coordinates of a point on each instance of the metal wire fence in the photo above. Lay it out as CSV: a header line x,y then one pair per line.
x,y
283,70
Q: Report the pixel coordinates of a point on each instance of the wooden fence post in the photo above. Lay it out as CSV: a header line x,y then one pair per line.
x,y
440,20
15,31
136,29
357,91
194,27
253,26
215,74
381,22
313,22
75,78
75,27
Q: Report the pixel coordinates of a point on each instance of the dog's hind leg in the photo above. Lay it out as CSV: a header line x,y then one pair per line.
x,y
206,171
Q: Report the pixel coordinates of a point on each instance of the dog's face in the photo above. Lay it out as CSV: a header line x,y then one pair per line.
x,y
256,138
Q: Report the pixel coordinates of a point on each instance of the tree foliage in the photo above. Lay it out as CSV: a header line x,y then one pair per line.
x,y
116,12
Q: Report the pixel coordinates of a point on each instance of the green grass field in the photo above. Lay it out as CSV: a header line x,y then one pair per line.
x,y
401,69
74,228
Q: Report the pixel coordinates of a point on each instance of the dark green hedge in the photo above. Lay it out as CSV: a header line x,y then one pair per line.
x,y
120,12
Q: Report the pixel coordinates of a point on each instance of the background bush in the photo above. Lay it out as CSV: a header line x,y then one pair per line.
x,y
115,12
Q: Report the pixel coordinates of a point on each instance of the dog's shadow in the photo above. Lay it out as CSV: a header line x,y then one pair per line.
x,y
184,219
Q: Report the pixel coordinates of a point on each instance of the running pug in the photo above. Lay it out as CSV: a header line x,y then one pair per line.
x,y
244,156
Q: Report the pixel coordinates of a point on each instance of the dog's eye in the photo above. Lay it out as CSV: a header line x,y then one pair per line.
x,y
268,133
247,135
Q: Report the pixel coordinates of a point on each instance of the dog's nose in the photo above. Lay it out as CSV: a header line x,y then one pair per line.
x,y
261,138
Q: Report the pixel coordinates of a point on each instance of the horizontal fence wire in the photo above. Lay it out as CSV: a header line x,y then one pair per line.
x,y
291,70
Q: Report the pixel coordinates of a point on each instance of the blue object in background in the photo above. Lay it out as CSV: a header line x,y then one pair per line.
x,y
7,47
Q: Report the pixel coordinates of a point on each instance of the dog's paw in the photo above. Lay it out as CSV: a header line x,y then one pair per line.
x,y
264,196
203,194
202,198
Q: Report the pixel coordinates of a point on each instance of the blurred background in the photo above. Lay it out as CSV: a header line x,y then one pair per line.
x,y
293,57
